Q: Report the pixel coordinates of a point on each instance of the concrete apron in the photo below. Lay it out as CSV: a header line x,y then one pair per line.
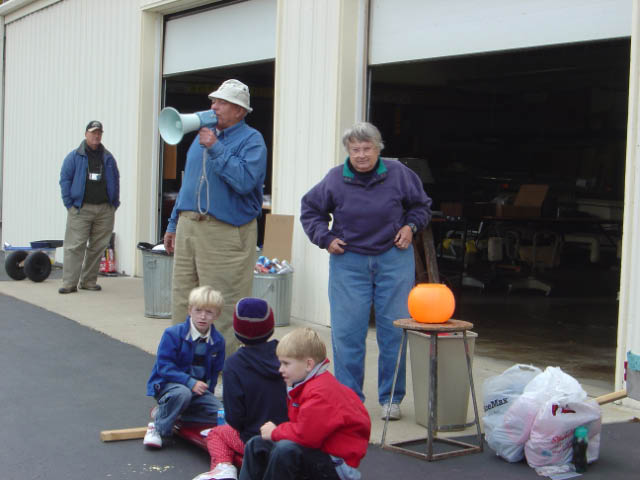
x,y
118,311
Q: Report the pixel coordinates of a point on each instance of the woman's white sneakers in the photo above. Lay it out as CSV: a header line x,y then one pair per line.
x,y
393,409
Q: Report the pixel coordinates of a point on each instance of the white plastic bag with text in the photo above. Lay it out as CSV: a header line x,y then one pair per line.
x,y
503,430
551,438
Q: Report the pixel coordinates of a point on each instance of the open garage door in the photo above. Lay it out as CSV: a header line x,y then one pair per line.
x,y
480,98
196,62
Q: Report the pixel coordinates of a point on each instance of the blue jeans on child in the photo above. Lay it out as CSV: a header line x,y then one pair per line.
x,y
285,460
355,283
177,400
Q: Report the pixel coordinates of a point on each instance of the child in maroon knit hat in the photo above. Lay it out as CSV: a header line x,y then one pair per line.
x,y
254,391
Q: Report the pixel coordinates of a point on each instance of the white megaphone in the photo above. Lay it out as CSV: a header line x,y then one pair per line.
x,y
173,125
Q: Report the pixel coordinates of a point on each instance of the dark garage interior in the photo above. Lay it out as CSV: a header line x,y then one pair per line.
x,y
476,128
187,93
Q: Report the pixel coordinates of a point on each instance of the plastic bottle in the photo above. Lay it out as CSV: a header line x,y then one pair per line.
x,y
221,420
580,443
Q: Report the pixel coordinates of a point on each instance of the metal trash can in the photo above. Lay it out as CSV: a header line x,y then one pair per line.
x,y
276,290
453,377
157,275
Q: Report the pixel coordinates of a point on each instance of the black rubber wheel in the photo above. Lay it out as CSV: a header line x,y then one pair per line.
x,y
37,266
13,264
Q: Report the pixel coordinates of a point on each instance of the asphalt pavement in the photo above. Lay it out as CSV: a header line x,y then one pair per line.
x,y
73,365
63,383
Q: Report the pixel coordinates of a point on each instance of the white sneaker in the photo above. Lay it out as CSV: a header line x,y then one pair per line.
x,y
152,438
393,409
223,471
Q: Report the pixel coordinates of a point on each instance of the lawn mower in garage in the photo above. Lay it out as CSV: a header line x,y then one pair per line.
x,y
32,262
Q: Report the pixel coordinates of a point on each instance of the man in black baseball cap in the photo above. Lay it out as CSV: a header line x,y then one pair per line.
x,y
94,125
90,186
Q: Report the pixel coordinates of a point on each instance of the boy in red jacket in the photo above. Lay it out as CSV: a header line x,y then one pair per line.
x,y
328,430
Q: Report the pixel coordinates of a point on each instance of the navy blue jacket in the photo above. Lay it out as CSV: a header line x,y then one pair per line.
x,y
73,177
254,391
175,356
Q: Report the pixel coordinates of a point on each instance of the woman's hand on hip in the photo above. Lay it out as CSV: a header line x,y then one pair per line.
x,y
335,246
404,237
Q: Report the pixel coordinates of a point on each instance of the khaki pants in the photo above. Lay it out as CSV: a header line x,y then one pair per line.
x,y
214,253
85,239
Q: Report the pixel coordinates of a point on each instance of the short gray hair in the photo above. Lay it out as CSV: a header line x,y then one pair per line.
x,y
362,132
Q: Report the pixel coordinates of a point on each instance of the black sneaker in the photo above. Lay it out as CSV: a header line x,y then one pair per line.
x,y
93,288
64,290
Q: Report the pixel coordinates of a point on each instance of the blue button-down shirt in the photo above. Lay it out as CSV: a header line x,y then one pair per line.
x,y
236,166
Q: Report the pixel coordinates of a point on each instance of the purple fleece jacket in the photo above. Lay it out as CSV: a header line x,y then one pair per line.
x,y
367,216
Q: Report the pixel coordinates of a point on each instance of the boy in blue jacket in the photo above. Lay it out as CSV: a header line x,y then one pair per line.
x,y
190,358
254,390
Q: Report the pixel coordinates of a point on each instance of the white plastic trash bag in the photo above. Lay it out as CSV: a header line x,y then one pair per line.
x,y
554,383
551,438
505,433
515,428
499,390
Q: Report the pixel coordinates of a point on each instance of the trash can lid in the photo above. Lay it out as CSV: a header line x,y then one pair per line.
x,y
144,246
149,248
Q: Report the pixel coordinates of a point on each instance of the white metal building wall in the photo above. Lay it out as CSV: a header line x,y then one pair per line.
x,y
66,64
629,307
317,68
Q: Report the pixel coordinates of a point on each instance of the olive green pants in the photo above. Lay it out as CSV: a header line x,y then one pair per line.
x,y
214,253
85,239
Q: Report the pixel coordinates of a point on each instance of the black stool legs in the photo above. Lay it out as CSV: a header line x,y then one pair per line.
x,y
432,429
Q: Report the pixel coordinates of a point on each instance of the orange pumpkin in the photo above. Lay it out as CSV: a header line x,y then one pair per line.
x,y
431,303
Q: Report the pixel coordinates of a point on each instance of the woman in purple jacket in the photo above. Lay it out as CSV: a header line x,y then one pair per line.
x,y
377,206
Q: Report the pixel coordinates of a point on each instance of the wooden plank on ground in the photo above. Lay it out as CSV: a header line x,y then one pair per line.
x,y
122,434
611,397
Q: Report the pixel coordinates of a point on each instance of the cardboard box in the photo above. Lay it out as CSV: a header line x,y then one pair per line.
x,y
278,236
528,202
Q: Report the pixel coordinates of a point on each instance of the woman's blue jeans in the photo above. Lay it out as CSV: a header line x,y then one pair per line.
x,y
355,283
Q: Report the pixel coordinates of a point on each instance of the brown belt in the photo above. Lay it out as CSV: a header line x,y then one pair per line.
x,y
197,217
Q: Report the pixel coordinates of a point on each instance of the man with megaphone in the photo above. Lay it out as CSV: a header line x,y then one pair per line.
x,y
213,230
